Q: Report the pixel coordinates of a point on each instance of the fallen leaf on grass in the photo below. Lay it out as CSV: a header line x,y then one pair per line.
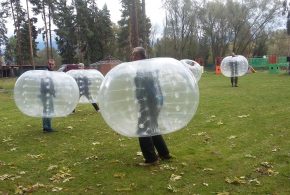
x,y
266,164
249,156
35,156
184,164
167,167
9,177
126,189
29,189
22,172
172,188
139,154
220,123
174,177
62,176
232,137
8,139
255,181
207,169
205,184
51,167
119,175
69,127
201,133
13,149
244,116
123,189
94,157
96,143
266,171
235,181
275,149
56,189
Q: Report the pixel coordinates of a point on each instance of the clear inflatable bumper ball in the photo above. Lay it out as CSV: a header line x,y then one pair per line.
x,y
148,97
89,82
194,68
41,93
234,66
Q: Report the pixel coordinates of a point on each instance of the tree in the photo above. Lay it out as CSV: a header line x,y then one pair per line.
x,y
10,51
130,33
25,41
45,8
66,39
18,15
3,29
181,27
108,40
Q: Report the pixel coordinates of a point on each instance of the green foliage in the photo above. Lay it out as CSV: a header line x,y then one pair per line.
x,y
10,51
66,37
41,58
84,32
237,143
25,42
124,33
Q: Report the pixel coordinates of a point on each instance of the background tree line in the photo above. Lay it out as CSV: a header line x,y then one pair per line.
x,y
192,29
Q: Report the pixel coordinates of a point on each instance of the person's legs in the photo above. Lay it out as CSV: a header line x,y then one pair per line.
x,y
232,81
236,81
148,150
96,106
161,147
46,124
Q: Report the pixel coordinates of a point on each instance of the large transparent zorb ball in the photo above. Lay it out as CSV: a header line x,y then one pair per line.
x,y
89,82
42,93
234,66
194,67
148,97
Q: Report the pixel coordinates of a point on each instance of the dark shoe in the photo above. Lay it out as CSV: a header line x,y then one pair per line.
x,y
236,86
167,157
48,130
147,164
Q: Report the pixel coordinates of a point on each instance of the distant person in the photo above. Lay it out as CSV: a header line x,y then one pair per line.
x,y
47,93
234,71
150,99
83,84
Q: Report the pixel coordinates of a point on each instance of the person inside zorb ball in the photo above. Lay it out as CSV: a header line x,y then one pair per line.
x,y
194,67
89,82
234,66
148,97
41,93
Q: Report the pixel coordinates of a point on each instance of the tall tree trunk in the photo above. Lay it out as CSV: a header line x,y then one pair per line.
x,y
16,25
143,16
49,26
30,37
45,28
134,25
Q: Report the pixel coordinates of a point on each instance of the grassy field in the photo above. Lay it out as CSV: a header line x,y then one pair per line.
x,y
237,143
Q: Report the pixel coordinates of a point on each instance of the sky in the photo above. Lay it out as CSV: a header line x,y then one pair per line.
x,y
154,11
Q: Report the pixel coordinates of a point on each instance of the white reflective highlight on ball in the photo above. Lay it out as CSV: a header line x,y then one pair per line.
x,y
148,97
194,67
234,66
42,93
89,82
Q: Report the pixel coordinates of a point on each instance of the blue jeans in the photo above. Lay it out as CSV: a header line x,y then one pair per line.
x,y
46,124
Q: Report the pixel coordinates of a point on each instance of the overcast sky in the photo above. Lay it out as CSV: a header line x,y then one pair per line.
x,y
153,10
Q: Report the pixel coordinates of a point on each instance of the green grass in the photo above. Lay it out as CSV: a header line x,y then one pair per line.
x,y
217,152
